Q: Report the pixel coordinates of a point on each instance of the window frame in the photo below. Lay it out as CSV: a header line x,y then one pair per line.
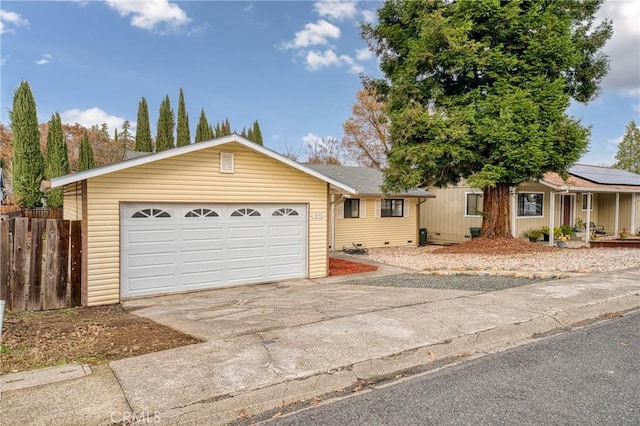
x,y
391,209
585,197
349,202
522,194
466,203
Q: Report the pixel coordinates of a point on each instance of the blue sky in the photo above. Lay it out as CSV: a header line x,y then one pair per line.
x,y
292,65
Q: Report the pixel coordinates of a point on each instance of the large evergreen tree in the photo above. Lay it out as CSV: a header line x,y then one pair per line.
x,y
202,131
143,128
628,155
183,134
28,163
85,156
166,124
478,90
57,159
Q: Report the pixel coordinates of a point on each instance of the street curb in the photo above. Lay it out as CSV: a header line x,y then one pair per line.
x,y
275,400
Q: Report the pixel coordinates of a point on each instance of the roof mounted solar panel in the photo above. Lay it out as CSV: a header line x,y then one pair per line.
x,y
605,175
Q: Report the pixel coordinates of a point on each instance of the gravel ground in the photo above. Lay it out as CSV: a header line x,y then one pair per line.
x,y
578,260
455,282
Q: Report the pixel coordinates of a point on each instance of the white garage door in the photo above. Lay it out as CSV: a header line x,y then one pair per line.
x,y
167,248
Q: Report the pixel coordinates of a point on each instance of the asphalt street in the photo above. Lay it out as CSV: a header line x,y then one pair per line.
x,y
588,376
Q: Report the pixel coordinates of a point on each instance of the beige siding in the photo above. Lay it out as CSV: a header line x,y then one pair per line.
x,y
524,223
194,177
373,231
72,209
444,216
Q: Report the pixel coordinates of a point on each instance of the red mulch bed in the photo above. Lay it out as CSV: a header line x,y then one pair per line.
x,y
345,267
500,246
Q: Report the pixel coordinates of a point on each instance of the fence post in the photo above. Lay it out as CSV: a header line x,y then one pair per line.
x,y
34,300
20,270
56,276
75,263
5,261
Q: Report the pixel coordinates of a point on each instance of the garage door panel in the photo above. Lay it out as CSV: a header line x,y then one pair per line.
x,y
246,253
201,235
157,259
245,232
284,270
285,231
210,245
152,236
246,274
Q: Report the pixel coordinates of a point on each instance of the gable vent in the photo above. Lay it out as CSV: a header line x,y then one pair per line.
x,y
226,162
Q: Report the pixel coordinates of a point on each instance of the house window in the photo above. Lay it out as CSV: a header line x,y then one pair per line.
x,y
351,208
587,198
245,212
391,207
530,204
201,213
473,204
285,211
149,213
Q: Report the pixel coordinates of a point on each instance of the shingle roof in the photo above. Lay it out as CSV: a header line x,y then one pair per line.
x,y
367,181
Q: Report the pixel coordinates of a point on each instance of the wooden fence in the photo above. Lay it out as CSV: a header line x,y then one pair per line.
x,y
43,213
40,263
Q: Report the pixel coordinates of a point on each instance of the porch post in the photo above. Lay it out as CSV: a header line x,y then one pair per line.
x,y
514,206
633,213
616,217
552,210
587,227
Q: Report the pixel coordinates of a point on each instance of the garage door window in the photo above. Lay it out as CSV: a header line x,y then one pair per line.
x,y
245,212
201,213
286,211
148,213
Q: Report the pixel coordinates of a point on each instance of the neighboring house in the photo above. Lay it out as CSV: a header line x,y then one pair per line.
x,y
212,214
370,218
613,195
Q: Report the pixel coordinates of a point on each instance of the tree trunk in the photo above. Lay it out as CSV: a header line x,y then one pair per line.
x,y
496,220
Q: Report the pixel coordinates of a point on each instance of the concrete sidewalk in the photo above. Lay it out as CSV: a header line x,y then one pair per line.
x,y
272,345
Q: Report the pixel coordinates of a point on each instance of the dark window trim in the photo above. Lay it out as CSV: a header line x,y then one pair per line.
x,y
389,212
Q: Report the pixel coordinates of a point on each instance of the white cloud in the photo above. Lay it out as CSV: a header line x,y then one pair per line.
x,y
338,10
317,60
313,34
92,117
149,13
312,139
328,58
45,59
11,18
624,46
363,54
248,8
368,16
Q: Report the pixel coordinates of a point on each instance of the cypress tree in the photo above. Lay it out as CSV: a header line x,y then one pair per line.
x,y
166,123
218,131
210,134
57,159
143,130
202,131
28,164
256,133
183,135
85,157
244,134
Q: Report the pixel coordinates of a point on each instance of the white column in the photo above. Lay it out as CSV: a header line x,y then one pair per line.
x,y
587,228
552,213
633,213
514,206
617,215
